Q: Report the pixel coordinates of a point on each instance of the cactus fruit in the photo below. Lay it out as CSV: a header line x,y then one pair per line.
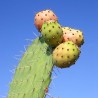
x,y
70,34
65,54
52,33
33,74
43,16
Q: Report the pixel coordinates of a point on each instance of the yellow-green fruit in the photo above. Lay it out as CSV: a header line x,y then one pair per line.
x,y
74,35
52,33
65,54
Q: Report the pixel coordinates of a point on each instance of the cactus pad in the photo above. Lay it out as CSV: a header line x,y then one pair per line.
x,y
33,73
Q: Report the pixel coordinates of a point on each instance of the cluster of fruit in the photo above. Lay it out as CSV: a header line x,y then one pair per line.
x,y
65,41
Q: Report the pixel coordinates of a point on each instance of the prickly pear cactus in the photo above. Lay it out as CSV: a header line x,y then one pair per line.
x,y
43,16
33,74
52,33
65,54
74,35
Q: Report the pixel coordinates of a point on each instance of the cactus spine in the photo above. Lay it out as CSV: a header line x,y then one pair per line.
x,y
33,73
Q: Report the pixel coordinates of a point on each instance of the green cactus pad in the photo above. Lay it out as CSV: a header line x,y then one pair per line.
x,y
33,74
52,33
65,54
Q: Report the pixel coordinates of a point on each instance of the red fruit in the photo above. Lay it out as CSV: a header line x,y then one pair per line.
x,y
70,34
42,17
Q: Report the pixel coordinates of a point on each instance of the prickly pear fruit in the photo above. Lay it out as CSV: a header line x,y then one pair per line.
x,y
52,33
70,34
65,54
43,16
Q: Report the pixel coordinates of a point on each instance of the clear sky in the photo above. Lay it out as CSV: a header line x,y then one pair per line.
x,y
17,25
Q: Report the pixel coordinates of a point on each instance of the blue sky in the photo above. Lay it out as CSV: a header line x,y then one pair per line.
x,y
17,24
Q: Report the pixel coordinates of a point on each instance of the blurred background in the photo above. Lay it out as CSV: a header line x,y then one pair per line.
x,y
17,29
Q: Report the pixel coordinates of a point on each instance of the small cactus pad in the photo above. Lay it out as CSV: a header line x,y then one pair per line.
x,y
43,16
52,33
74,35
65,54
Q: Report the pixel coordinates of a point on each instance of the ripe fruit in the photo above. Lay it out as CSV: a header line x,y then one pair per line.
x,y
70,34
42,17
52,33
65,54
